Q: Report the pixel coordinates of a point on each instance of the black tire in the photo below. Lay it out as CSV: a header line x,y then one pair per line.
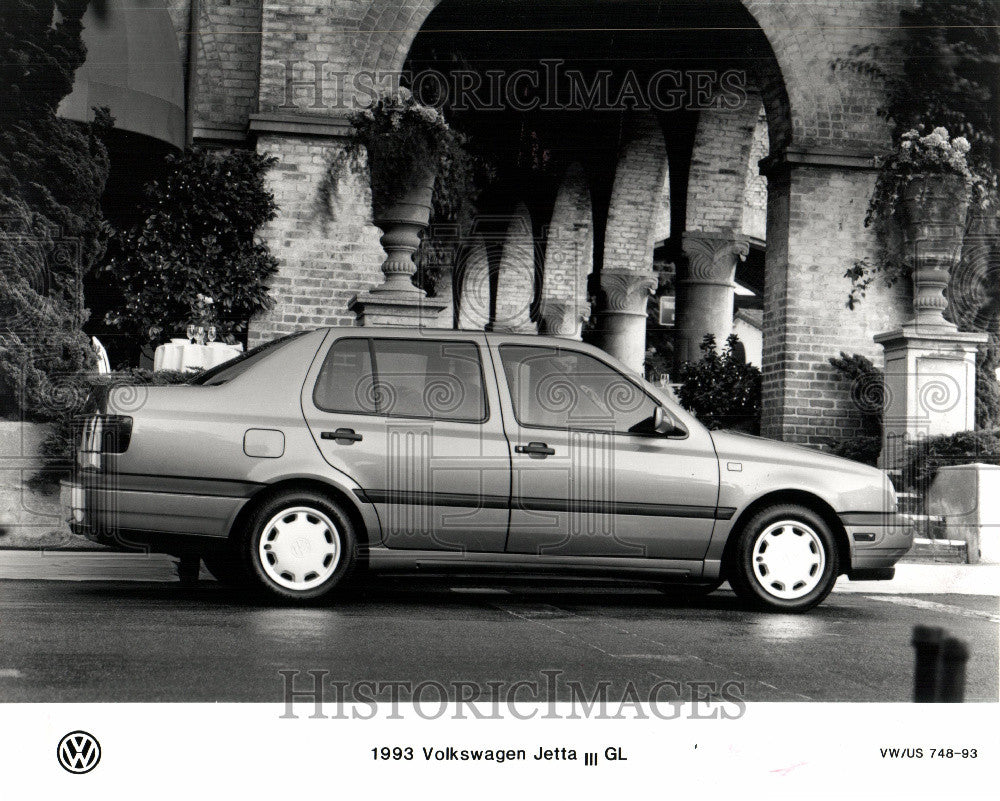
x,y
311,518
804,569
226,567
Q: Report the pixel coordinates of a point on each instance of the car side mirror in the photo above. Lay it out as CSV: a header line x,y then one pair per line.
x,y
665,423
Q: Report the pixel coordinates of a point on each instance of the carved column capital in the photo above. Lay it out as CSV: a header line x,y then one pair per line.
x,y
712,258
563,319
627,291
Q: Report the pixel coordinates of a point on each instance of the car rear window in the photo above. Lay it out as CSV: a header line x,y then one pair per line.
x,y
238,365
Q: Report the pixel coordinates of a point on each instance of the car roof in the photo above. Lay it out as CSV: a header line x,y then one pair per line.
x,y
495,337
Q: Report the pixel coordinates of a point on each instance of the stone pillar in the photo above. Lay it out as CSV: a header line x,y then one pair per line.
x,y
930,386
708,290
626,293
816,205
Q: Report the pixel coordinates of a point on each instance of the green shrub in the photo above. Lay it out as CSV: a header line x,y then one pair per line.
x,y
965,447
41,356
52,174
720,389
867,390
862,448
198,241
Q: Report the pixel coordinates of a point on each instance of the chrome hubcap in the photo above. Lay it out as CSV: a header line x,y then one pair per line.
x,y
788,559
299,548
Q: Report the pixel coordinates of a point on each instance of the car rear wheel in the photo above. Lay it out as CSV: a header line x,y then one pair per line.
x,y
300,546
785,559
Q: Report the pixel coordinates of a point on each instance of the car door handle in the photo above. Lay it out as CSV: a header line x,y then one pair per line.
x,y
347,434
533,449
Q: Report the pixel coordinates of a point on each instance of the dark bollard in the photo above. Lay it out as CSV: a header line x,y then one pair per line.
x,y
927,642
951,681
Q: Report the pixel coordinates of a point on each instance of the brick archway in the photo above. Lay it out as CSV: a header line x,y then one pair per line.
x,y
516,275
641,175
569,256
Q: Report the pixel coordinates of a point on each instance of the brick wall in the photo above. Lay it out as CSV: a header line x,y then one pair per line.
x,y
326,256
806,320
228,63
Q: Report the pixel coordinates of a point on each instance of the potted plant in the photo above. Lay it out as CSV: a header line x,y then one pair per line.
x,y
408,148
924,185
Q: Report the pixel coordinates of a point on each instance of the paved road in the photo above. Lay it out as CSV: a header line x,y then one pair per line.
x,y
105,640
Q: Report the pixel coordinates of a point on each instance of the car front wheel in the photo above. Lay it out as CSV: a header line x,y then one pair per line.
x,y
785,559
299,546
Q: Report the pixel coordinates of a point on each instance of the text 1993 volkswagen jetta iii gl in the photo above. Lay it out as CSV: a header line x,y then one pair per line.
x,y
339,451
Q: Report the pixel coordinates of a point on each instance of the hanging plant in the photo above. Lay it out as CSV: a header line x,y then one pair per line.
x,y
915,158
397,143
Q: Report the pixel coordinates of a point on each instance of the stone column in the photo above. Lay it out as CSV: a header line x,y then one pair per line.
x,y
626,294
708,290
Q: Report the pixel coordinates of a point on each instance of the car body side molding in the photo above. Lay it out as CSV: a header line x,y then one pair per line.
x,y
543,504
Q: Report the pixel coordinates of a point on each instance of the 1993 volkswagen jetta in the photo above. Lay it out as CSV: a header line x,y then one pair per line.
x,y
338,451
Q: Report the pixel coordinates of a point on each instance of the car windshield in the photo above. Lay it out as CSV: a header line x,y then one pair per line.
x,y
238,365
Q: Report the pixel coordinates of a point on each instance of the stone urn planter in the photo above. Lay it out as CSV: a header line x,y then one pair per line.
x,y
402,223
933,211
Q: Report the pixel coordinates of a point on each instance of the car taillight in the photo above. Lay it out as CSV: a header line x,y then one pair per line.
x,y
103,433
116,433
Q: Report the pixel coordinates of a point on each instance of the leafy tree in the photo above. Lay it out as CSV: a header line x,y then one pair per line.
x,y
52,175
721,389
198,239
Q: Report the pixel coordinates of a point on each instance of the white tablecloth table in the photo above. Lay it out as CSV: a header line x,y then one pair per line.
x,y
180,354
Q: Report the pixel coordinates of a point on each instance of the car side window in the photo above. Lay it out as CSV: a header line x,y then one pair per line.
x,y
566,389
346,382
435,379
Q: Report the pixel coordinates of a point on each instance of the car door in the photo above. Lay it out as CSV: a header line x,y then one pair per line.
x,y
590,476
414,422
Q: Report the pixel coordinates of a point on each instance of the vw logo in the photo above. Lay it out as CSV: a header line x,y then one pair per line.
x,y
79,752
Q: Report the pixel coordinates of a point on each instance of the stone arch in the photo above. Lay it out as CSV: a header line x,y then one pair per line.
x,y
718,174
640,176
516,276
824,108
754,223
472,280
569,256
